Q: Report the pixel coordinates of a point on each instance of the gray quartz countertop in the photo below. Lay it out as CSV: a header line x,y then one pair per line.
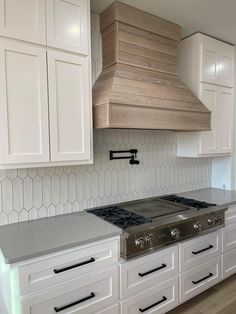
x,y
24,240
211,195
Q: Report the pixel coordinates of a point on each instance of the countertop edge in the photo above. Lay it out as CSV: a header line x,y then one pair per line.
x,y
58,249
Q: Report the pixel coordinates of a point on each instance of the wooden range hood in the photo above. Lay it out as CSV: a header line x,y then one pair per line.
x,y
139,87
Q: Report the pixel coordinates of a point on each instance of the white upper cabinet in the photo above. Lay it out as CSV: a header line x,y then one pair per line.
x,y
206,67
208,95
24,135
23,19
67,25
45,93
69,106
224,122
217,61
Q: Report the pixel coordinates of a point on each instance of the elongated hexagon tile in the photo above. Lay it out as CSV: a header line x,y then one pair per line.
x,y
37,192
18,196
7,197
22,173
47,190
55,189
28,193
51,211
71,188
23,215
33,213
13,217
3,219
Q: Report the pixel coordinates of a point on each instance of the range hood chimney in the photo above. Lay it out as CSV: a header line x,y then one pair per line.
x,y
139,87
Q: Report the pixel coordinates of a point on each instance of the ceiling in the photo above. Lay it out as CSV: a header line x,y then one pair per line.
x,y
213,17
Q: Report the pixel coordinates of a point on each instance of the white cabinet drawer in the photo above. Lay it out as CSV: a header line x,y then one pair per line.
x,y
229,264
229,237
199,279
58,268
145,272
230,215
199,250
89,294
157,300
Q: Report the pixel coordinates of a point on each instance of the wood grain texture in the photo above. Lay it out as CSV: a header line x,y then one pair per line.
x,y
123,13
220,299
140,76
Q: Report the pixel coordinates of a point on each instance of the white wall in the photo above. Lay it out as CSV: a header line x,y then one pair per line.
x,y
34,193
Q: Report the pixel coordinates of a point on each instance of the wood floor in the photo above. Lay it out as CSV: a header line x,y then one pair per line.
x,y
220,299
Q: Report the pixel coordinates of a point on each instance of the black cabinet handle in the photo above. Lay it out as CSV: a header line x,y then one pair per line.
x,y
203,250
60,270
64,307
152,271
200,280
151,306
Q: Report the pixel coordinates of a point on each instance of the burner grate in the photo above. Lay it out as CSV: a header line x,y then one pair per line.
x,y
119,216
187,201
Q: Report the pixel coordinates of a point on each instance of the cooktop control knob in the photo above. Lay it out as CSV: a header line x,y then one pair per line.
x,y
218,219
175,233
210,220
140,243
149,239
197,226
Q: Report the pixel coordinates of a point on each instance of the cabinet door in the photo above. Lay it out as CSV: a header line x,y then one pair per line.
x,y
208,95
69,107
226,65
24,19
68,25
23,104
224,122
209,63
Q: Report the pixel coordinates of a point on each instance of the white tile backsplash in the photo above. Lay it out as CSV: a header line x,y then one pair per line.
x,y
35,193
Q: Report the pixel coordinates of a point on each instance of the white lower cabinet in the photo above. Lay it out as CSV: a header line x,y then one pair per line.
x,y
159,299
228,264
142,273
199,250
229,243
229,237
82,295
200,278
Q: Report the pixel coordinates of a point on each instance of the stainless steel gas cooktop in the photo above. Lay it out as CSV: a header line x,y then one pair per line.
x,y
152,223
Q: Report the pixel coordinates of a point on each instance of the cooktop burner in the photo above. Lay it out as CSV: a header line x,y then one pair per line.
x,y
186,201
119,216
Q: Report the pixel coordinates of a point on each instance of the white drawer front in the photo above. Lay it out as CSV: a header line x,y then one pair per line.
x,y
229,237
145,272
89,295
200,278
41,273
199,250
158,299
229,264
230,215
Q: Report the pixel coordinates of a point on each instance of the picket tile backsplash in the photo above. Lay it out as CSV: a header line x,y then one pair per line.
x,y
34,193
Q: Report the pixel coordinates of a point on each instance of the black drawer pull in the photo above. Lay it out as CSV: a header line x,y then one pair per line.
x,y
151,306
64,307
152,271
203,250
200,280
60,270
